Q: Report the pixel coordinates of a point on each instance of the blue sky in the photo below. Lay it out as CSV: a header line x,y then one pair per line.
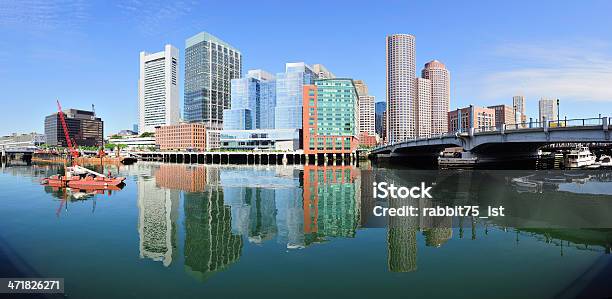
x,y
86,52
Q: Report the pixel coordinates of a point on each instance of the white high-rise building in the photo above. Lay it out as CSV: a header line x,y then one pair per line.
x,y
158,94
401,73
439,76
424,108
548,109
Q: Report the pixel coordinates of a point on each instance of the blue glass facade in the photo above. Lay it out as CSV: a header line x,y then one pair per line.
x,y
238,119
254,98
289,88
267,103
245,98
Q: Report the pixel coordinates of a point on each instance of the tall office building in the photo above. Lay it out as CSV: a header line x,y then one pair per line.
x,y
379,110
385,123
518,103
210,65
439,76
83,127
367,121
244,103
424,107
289,87
330,117
157,89
267,97
548,109
401,69
253,101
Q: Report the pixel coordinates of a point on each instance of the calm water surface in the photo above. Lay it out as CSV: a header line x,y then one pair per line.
x,y
218,231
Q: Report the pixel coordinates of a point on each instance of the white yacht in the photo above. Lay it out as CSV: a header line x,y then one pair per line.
x,y
579,158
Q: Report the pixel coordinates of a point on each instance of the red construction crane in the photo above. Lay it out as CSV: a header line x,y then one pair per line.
x,y
71,148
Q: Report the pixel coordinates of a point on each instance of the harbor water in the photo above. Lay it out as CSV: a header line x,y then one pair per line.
x,y
210,231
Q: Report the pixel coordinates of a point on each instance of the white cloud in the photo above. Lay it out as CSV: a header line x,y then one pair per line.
x,y
152,17
38,15
577,72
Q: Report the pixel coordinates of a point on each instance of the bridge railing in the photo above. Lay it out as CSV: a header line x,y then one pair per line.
x,y
579,122
524,125
486,129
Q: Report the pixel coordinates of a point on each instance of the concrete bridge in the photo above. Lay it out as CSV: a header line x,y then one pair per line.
x,y
506,143
16,153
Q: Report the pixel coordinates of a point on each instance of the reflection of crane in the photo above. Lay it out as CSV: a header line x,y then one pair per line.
x,y
73,151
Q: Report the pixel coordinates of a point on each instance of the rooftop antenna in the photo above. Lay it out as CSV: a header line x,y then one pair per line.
x,y
93,109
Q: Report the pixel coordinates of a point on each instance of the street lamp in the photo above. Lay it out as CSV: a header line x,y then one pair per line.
x,y
558,115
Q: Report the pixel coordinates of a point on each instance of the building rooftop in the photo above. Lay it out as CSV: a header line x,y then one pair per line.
x,y
435,64
205,36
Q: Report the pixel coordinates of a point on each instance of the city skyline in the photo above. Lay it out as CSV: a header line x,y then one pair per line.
x,y
497,62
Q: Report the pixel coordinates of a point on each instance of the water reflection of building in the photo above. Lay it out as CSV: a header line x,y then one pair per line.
x,y
210,244
438,236
401,241
157,217
265,202
401,249
402,230
331,201
181,177
290,217
368,177
253,212
436,229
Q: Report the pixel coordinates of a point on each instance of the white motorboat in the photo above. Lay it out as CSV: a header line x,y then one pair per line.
x,y
579,158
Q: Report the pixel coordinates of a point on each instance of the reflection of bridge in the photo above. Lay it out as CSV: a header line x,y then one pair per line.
x,y
508,142
16,152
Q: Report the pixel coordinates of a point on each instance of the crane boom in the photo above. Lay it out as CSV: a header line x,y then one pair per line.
x,y
73,151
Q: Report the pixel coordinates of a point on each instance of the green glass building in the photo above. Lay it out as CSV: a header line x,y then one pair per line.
x,y
330,116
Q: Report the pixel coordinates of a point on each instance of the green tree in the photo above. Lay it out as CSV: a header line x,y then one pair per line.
x,y
147,134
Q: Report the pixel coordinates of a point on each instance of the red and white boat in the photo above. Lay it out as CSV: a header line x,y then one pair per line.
x,y
82,178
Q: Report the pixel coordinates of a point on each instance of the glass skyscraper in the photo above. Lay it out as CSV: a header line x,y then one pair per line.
x,y
210,65
267,103
289,88
252,100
